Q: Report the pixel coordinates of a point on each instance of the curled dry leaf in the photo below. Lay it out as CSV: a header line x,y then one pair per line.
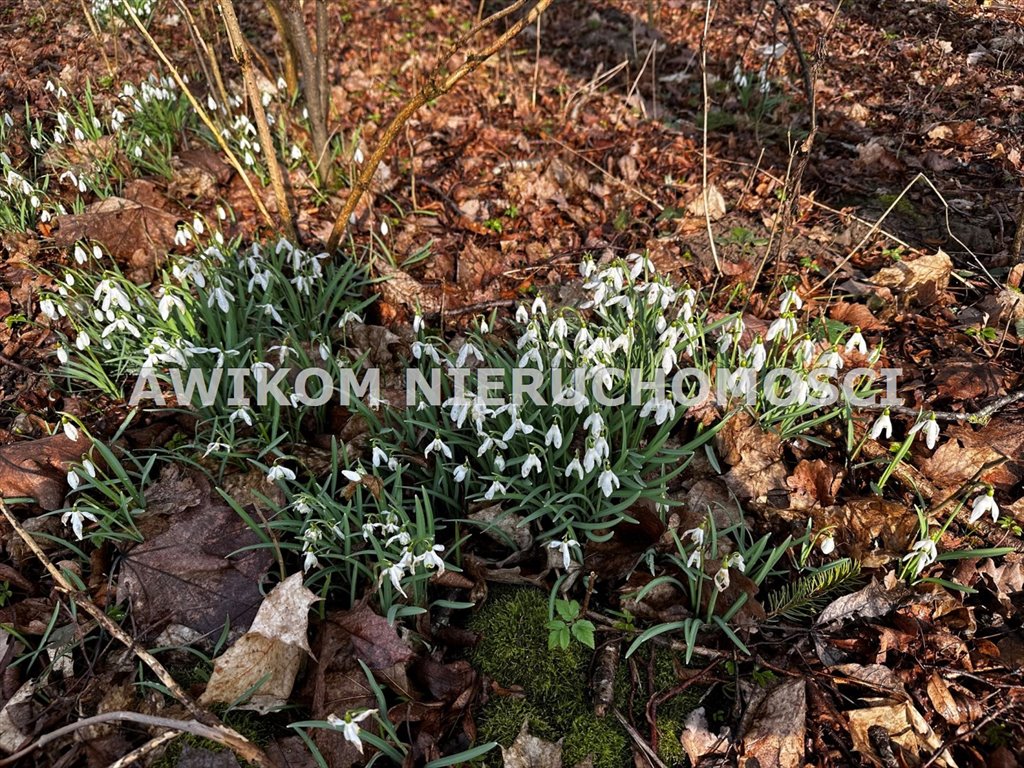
x,y
904,725
755,458
775,725
814,483
38,468
921,280
698,740
530,752
265,659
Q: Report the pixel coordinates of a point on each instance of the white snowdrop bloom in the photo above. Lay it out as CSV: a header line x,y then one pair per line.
x,y
805,350
420,348
985,504
45,216
79,136
532,355
350,725
783,327
309,560
662,408
924,552
522,316
249,159
34,201
530,464
494,489
34,143
696,535
417,323
722,579
930,428
432,560
358,156
461,472
499,462
735,560
181,237
608,482
395,573
74,480
575,467
198,226
517,425
295,153
62,355
270,309
539,307
438,445
266,98
242,414
169,302
594,422
380,458
553,436
279,472
76,518
565,546
558,329
790,300
696,558
82,341
467,350
882,425
757,355
71,431
827,545
831,361
384,229
223,297
80,255
856,342
47,307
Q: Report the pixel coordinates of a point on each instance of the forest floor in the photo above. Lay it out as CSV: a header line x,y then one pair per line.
x,y
894,206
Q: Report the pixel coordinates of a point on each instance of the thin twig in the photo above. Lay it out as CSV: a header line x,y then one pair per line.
x,y
145,749
184,726
437,85
980,417
232,159
240,49
217,730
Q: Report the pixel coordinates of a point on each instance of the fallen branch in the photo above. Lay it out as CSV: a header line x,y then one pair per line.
x,y
981,417
182,726
437,85
214,729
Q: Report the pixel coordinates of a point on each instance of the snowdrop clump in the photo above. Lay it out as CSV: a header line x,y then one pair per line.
x,y
105,11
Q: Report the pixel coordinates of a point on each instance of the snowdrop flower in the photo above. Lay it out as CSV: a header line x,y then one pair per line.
x,y
467,350
181,237
437,445
80,255
883,424
216,446
522,316
168,302
71,431
461,472
82,340
856,341
358,156
790,299
827,545
310,560
985,504
735,560
559,329
74,480
564,546
757,355
594,422
930,428
539,306
783,327
76,517
575,467
223,297
831,361
279,472
350,726
354,475
241,414
384,227
696,535
417,323
924,553
432,560
381,458
47,307
608,481
553,436
531,463
663,409
62,355
395,574
722,578
696,559
494,489
518,425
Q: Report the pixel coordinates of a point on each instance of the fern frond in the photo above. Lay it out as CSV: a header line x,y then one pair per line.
x,y
808,594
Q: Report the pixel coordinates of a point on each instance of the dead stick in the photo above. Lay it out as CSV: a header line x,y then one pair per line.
x,y
981,417
240,49
437,85
225,735
183,726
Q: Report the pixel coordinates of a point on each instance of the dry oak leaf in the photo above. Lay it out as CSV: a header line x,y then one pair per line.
x,y
755,458
267,657
814,483
920,280
399,288
968,449
776,721
530,752
904,725
38,468
131,232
